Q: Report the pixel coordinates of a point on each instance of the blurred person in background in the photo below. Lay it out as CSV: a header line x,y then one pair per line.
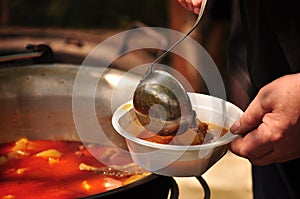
x,y
264,64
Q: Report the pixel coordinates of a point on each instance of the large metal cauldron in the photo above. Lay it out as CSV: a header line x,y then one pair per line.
x,y
36,102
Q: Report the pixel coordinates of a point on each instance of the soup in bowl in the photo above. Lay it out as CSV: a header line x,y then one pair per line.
x,y
180,155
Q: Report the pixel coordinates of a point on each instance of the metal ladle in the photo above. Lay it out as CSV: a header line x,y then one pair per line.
x,y
160,102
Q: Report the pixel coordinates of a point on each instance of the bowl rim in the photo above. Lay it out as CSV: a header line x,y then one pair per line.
x,y
127,106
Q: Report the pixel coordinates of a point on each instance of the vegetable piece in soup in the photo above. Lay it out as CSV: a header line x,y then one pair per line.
x,y
60,169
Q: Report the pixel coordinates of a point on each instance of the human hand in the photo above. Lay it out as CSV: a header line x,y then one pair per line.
x,y
270,127
191,5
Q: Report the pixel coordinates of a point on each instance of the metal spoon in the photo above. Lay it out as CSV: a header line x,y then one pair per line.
x,y
160,101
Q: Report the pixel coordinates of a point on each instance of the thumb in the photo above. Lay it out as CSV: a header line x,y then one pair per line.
x,y
251,118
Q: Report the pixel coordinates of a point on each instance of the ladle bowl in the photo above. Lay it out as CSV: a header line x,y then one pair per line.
x,y
162,105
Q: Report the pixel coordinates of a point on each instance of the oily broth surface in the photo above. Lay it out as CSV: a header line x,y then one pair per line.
x,y
58,169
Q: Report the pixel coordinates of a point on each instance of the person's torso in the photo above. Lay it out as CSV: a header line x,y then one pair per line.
x,y
271,34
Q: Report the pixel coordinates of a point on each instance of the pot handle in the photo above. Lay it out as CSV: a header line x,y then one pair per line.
x,y
174,191
39,53
204,186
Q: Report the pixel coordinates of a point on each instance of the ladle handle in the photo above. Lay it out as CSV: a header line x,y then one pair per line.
x,y
181,39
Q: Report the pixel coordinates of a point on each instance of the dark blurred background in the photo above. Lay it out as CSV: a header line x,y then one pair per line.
x,y
83,14
81,25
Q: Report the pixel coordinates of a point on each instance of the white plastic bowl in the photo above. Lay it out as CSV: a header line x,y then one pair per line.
x,y
179,160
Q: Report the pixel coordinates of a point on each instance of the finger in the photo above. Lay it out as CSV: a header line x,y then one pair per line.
x,y
184,4
190,4
250,119
196,3
253,145
196,10
197,6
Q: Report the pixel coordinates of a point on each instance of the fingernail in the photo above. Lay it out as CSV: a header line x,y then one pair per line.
x,y
234,128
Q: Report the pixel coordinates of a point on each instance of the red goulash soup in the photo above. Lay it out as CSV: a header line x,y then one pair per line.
x,y
193,136
58,169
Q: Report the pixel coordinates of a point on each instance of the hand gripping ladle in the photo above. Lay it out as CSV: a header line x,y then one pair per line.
x,y
161,103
